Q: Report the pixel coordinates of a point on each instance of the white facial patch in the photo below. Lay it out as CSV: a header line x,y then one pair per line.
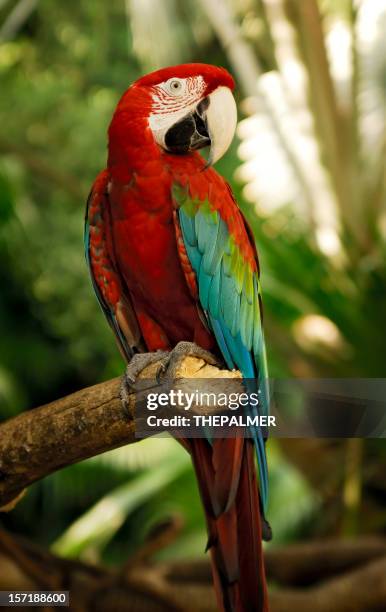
x,y
172,100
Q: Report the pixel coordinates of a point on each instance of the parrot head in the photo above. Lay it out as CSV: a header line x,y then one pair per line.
x,y
185,108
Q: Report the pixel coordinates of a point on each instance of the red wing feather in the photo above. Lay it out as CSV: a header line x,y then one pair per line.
x,y
106,280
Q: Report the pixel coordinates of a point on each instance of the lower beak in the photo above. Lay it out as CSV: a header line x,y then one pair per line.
x,y
213,124
189,133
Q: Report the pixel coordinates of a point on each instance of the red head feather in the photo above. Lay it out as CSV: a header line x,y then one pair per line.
x,y
129,134
214,76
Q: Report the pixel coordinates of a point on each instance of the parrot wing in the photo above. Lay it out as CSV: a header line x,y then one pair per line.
x,y
107,284
228,287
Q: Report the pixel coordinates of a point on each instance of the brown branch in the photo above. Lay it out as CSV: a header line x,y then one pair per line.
x,y
301,564
40,441
16,19
187,585
361,590
82,425
309,562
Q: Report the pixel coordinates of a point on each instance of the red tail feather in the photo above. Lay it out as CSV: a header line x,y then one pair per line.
x,y
230,496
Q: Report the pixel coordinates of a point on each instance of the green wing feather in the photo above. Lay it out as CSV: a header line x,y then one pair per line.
x,y
229,295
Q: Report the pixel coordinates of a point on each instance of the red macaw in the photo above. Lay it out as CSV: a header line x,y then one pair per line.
x,y
171,260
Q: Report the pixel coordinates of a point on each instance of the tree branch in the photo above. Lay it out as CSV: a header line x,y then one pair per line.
x,y
40,441
142,584
16,19
81,425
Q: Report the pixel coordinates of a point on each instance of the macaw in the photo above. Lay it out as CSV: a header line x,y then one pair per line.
x,y
172,260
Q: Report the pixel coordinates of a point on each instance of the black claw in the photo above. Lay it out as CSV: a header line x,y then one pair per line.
x,y
161,371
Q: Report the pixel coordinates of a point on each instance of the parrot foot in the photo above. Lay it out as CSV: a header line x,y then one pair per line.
x,y
138,363
168,368
170,365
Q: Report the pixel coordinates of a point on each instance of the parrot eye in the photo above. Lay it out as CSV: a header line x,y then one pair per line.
x,y
175,87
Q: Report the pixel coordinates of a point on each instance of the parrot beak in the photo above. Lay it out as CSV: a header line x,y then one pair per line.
x,y
211,123
221,121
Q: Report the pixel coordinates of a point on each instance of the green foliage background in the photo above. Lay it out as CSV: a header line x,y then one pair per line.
x,y
62,71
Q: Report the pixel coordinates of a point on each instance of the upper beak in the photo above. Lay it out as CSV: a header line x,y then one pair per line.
x,y
221,121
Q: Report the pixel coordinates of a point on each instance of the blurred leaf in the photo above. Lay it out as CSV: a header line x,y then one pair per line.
x,y
99,524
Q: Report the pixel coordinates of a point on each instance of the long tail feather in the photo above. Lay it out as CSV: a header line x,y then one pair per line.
x,y
231,501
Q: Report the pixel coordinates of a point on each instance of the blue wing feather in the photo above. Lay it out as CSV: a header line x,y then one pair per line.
x,y
228,292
